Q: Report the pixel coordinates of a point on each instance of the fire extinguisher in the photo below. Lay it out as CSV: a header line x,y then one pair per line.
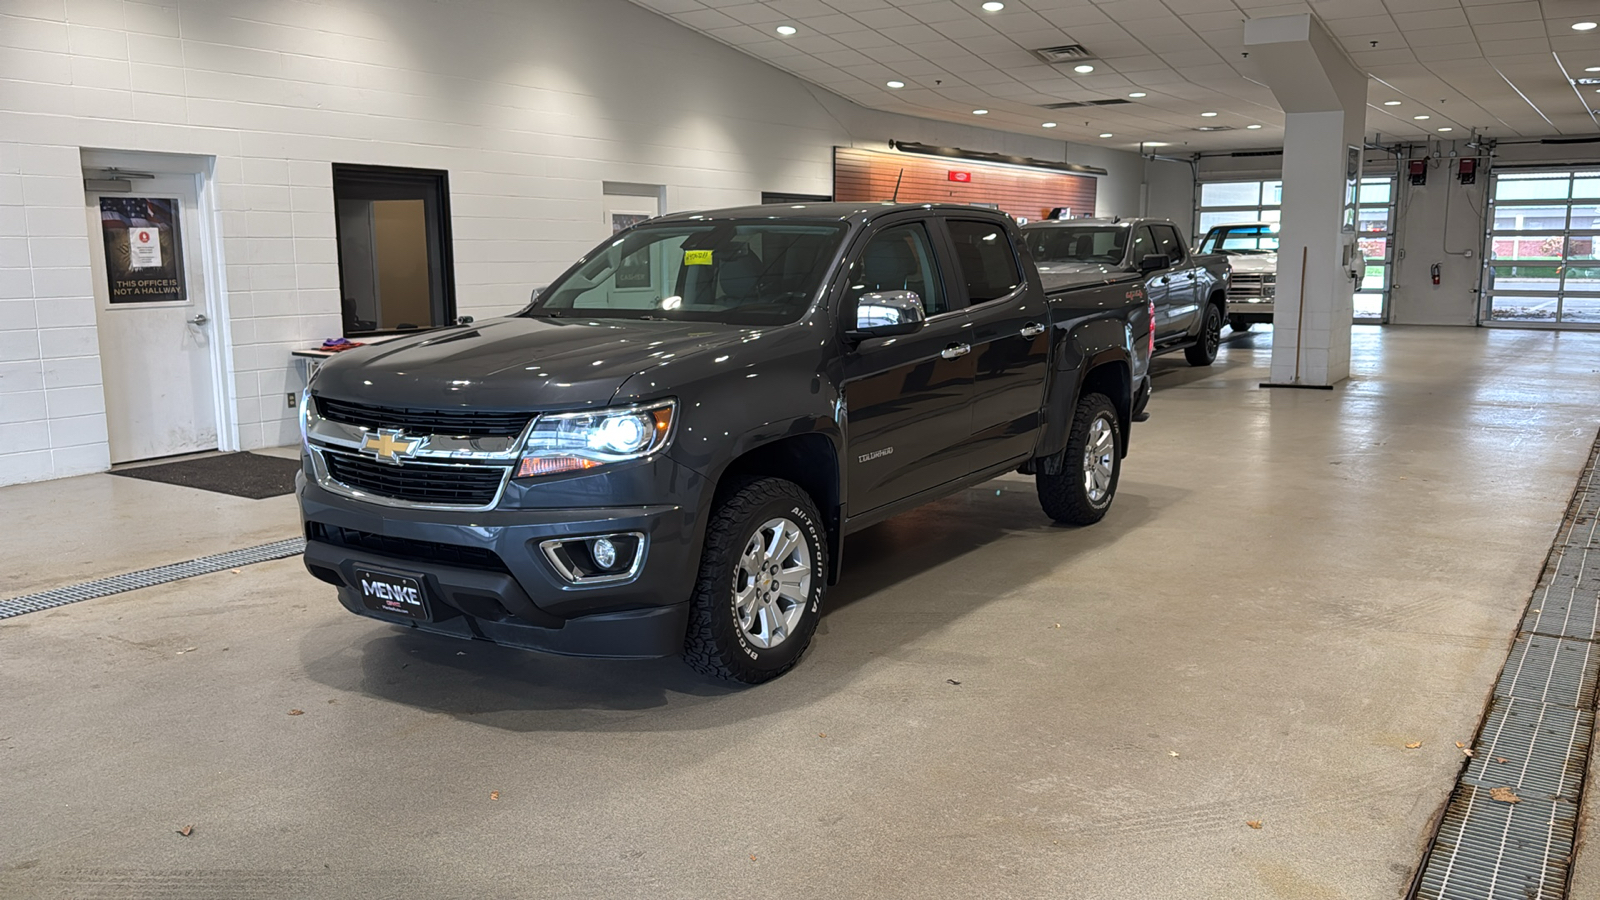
x,y
1435,270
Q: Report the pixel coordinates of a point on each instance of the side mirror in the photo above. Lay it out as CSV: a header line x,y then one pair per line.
x,y
887,314
1154,262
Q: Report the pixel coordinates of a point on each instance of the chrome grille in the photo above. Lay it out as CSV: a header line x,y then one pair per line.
x,y
1252,286
439,484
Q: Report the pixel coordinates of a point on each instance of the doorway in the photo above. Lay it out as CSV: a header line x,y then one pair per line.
x,y
161,344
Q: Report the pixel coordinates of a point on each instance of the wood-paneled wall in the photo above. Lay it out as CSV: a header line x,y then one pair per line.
x,y
870,175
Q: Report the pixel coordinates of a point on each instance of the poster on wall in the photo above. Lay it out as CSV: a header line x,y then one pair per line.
x,y
144,249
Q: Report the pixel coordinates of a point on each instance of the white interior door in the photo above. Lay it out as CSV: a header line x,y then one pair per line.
x,y
154,319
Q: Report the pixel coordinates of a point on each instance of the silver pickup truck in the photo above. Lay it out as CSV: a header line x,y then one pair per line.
x,y
1252,250
1188,290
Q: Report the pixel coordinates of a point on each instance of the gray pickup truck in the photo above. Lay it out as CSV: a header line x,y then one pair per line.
x,y
1189,290
664,452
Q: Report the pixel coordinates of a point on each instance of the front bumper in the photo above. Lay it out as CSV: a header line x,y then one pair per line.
x,y
1251,310
486,577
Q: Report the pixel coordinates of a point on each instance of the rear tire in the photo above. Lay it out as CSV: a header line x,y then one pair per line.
x,y
1204,351
1092,463
763,572
1238,324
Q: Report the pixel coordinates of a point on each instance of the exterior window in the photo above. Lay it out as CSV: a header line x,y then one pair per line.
x,y
395,270
1542,267
988,264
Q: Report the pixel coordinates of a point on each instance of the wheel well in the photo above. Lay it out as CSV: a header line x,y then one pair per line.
x,y
1219,299
1114,380
808,460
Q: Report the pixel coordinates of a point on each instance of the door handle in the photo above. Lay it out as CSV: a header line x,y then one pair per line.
x,y
200,319
1032,329
955,351
1166,278
1191,273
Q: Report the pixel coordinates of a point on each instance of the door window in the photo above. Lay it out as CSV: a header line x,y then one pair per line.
x,y
1143,244
1167,242
988,262
899,259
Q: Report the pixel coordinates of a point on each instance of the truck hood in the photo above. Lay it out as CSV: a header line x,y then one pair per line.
x,y
1061,276
530,364
1253,264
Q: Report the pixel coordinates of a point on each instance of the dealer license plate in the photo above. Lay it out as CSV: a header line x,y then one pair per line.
x,y
397,595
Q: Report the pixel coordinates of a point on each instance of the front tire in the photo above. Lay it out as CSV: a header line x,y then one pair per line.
x,y
1204,351
1082,493
763,572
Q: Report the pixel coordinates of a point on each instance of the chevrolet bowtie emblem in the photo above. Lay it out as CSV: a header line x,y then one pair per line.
x,y
389,446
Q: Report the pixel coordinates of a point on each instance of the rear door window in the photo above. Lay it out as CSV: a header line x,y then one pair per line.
x,y
987,261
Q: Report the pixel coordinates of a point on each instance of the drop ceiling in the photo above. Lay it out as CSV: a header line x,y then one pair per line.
x,y
1504,68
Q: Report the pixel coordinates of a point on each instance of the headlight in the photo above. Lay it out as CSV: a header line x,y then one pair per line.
x,y
571,442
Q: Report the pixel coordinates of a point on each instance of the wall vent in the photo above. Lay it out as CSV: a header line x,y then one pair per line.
x,y
1064,54
1079,104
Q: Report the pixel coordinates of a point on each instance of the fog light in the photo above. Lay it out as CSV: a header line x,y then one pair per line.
x,y
596,559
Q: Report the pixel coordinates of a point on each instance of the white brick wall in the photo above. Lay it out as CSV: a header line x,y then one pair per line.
x,y
529,104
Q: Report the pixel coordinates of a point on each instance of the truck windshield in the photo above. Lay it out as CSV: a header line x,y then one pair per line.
x,y
738,273
1076,244
1241,240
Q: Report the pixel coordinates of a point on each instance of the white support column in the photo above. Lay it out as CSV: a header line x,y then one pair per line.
x,y
1324,99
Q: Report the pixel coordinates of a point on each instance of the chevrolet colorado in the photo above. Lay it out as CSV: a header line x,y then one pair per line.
x,y
664,452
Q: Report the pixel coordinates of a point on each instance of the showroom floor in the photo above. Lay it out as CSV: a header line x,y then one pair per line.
x,y
1292,586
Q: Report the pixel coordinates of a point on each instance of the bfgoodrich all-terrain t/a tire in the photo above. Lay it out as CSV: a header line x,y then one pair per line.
x,y
1083,491
762,576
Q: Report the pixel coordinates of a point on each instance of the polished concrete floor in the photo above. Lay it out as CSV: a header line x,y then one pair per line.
x,y
1292,586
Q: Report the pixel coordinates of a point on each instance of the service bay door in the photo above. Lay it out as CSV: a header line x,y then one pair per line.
x,y
156,352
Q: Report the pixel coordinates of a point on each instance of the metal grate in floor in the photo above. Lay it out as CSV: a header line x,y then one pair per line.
x,y
1533,746
132,581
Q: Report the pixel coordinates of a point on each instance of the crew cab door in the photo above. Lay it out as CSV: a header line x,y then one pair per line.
x,y
1010,341
1156,283
1183,301
908,398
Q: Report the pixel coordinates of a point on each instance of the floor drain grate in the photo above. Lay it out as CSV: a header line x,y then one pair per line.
x,y
1535,737
132,581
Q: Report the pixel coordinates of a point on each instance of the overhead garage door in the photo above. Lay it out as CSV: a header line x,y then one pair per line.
x,y
1541,267
1224,202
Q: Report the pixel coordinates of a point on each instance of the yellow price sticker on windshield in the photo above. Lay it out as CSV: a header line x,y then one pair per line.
x,y
697,257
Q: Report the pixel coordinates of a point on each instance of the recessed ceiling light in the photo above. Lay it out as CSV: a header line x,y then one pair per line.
x,y
993,6
1138,94
1048,125
1421,118
1083,69
980,112
1593,69
1583,26
1106,134
1391,103
786,30
896,84
1447,128
1207,114
1252,127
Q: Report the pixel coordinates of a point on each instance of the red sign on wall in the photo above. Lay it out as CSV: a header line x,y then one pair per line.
x,y
964,177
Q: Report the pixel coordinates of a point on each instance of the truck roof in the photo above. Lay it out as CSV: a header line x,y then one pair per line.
x,y
857,211
1119,222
